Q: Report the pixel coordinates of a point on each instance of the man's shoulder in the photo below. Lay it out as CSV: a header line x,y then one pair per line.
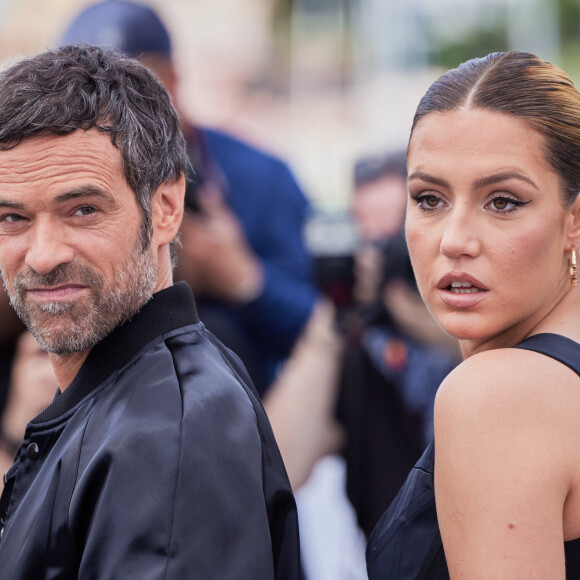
x,y
182,365
181,387
205,368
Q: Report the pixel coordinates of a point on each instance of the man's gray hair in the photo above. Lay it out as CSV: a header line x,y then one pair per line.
x,y
85,87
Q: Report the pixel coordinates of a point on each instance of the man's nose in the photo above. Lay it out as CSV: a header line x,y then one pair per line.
x,y
460,237
48,248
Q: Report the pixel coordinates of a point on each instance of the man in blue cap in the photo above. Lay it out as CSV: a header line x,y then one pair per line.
x,y
243,251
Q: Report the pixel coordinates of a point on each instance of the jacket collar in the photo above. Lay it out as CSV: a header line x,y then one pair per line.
x,y
167,310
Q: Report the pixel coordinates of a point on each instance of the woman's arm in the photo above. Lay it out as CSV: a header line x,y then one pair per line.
x,y
505,425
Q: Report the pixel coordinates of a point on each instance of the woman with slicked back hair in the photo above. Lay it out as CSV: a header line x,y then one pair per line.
x,y
493,227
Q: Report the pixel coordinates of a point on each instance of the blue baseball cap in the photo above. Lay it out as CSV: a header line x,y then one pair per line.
x,y
125,26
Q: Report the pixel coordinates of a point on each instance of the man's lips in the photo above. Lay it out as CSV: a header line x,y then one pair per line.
x,y
62,291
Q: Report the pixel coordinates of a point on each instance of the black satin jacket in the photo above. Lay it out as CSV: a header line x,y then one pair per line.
x,y
158,461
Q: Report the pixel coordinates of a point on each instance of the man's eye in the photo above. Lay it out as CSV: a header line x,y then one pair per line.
x,y
11,217
85,210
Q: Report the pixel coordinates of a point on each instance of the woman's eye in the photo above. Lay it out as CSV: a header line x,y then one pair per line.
x,y
427,202
500,203
505,204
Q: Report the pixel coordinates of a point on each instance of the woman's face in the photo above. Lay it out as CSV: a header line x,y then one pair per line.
x,y
486,228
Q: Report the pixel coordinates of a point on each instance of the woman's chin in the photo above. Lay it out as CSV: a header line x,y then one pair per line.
x,y
464,331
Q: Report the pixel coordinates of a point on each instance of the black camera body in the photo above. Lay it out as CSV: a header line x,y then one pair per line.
x,y
396,261
193,185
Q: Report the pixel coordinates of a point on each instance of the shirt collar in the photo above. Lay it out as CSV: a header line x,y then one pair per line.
x,y
167,310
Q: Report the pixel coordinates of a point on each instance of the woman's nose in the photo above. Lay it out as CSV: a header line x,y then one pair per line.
x,y
460,235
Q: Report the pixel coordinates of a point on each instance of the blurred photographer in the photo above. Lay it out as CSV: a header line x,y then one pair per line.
x,y
398,357
10,329
242,246
31,387
378,210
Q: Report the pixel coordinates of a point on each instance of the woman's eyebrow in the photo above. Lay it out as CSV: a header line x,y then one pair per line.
x,y
478,183
502,176
426,177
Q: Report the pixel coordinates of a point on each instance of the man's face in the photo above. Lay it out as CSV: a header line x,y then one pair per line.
x,y
379,208
71,255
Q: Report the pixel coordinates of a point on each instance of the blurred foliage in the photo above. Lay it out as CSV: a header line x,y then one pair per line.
x,y
490,37
449,50
476,43
569,18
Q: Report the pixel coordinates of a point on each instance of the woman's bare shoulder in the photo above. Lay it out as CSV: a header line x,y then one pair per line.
x,y
512,407
511,403
508,379
506,435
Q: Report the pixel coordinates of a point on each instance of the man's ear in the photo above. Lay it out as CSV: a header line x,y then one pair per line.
x,y
167,210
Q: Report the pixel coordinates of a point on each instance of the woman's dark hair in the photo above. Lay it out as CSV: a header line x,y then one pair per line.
x,y
525,86
84,87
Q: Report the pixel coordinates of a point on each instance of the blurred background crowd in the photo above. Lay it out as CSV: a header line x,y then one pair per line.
x,y
320,82
296,114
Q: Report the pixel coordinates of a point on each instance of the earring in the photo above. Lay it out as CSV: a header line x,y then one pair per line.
x,y
573,270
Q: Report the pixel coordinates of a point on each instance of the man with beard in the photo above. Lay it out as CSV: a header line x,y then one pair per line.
x,y
155,459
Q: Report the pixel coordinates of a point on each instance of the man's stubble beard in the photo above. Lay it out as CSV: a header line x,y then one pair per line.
x,y
88,319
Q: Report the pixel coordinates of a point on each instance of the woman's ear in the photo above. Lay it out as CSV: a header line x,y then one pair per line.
x,y
574,231
167,210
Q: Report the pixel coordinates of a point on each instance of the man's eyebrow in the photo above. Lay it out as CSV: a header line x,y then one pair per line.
x,y
80,192
11,204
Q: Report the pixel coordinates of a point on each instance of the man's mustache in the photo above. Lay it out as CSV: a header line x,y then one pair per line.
x,y
62,274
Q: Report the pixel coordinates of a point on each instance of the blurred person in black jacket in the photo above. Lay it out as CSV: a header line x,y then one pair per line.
x,y
398,356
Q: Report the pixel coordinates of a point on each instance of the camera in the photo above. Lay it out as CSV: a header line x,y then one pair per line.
x,y
332,240
396,260
193,186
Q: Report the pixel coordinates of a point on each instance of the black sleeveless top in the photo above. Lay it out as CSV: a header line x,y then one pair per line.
x,y
406,543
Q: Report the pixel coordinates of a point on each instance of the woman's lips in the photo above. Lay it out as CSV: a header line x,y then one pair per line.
x,y
463,288
460,290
